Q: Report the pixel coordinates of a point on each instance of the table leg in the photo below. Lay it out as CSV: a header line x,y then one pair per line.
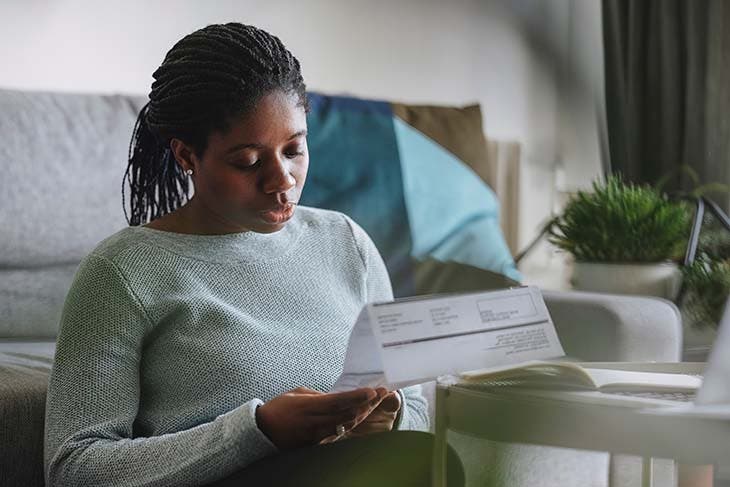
x,y
646,472
440,444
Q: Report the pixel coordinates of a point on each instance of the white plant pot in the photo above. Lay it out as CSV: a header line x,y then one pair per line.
x,y
657,279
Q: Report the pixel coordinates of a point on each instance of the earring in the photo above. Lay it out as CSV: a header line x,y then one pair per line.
x,y
189,172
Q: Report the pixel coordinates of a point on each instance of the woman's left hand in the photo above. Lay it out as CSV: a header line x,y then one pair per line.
x,y
382,418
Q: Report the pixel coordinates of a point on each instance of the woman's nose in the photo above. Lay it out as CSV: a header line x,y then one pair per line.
x,y
278,179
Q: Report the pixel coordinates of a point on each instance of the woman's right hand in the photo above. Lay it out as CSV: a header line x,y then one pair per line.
x,y
304,416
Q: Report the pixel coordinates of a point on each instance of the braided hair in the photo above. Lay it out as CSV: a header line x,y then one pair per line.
x,y
207,80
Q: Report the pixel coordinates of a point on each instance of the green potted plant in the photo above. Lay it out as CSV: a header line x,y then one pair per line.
x,y
624,238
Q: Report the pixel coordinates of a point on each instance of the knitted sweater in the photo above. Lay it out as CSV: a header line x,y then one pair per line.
x,y
168,342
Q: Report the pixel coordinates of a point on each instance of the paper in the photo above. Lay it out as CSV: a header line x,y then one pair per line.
x,y
416,340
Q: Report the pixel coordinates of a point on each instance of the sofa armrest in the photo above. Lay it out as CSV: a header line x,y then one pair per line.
x,y
610,327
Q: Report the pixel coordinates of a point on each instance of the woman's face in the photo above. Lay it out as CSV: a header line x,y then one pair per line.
x,y
251,177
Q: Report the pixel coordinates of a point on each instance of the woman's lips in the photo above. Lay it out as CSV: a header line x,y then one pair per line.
x,y
279,214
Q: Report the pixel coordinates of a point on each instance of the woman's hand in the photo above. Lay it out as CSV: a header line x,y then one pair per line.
x,y
304,416
383,416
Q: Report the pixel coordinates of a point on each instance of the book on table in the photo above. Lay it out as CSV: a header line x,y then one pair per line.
x,y
561,375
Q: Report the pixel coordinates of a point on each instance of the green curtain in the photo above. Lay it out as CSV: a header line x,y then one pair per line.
x,y
667,81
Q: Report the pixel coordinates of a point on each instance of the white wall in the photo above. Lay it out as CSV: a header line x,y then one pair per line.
x,y
509,55
581,91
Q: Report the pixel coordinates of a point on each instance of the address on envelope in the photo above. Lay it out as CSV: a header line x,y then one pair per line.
x,y
415,340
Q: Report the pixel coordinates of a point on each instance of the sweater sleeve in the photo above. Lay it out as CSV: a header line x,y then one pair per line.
x,y
413,414
414,407
94,394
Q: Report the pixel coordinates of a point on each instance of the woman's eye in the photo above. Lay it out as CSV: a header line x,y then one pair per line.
x,y
292,155
247,165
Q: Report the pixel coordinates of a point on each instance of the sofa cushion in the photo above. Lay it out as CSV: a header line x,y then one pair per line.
x,y
63,158
415,197
453,214
31,300
458,129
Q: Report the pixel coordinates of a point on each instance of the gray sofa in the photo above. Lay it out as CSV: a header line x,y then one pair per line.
x,y
62,158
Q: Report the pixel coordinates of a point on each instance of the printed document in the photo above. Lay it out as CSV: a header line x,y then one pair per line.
x,y
415,340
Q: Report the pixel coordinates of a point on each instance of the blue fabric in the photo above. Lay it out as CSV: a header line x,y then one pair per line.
x,y
354,168
454,216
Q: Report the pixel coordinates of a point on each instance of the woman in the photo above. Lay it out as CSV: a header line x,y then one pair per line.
x,y
197,345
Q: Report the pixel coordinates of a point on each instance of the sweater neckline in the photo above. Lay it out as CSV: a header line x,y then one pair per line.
x,y
228,247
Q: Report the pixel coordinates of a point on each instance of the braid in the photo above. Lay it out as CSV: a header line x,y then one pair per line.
x,y
206,80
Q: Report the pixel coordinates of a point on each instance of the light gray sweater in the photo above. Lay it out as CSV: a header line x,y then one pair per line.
x,y
168,342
